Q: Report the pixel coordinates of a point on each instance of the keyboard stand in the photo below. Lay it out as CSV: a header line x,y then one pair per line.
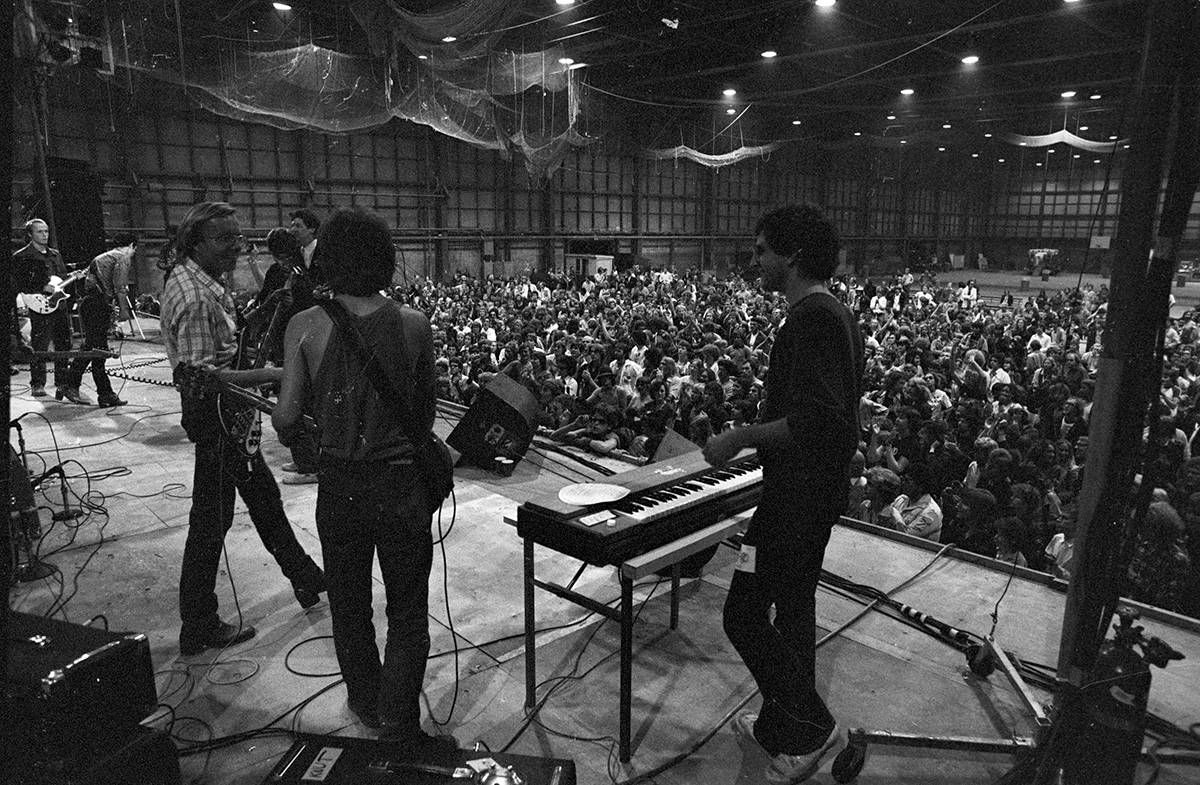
x,y
631,570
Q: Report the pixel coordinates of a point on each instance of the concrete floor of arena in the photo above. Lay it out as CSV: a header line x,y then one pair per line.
x,y
876,674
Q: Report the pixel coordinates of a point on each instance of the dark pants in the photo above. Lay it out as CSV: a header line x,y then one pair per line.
x,y
220,469
782,656
45,327
95,315
366,508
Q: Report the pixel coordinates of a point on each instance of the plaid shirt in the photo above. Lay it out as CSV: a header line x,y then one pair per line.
x,y
198,318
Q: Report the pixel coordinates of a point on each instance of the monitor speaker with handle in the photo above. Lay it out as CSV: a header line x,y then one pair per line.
x,y
496,431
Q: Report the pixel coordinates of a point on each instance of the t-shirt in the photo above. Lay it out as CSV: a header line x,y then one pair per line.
x,y
814,380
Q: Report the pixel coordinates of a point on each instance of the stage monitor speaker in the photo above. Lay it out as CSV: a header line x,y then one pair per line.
x,y
344,760
496,431
72,678
75,193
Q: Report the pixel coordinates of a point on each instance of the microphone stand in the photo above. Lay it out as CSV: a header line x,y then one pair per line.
x,y
23,520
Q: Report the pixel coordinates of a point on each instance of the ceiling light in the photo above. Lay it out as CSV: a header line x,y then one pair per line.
x,y
1038,163
574,66
903,141
988,135
1001,160
1083,128
795,122
1075,156
1124,147
907,91
731,110
1096,161
1070,1
941,149
891,117
974,155
1112,138
1022,144
449,39
565,60
970,60
945,125
281,6
769,54
729,92
1067,94
826,3
564,2
1095,96
858,133
422,57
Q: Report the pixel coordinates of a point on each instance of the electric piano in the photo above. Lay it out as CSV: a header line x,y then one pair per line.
x,y
667,500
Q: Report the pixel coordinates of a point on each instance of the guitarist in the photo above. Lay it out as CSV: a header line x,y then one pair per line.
x,y
107,282
32,267
198,327
372,496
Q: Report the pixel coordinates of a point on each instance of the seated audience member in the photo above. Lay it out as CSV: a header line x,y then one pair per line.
x,y
915,511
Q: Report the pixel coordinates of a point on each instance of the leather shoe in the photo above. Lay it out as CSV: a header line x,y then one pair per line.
x,y
37,391
221,636
107,400
73,395
308,587
367,715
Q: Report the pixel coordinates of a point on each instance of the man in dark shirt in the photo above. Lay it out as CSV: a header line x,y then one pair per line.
x,y
806,436
32,267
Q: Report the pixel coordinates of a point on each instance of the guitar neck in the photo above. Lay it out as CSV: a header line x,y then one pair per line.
x,y
253,399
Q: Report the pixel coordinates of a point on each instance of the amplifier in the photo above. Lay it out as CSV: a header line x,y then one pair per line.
x,y
74,689
342,760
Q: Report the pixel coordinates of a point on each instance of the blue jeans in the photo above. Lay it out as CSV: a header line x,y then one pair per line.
x,y
781,656
364,508
220,470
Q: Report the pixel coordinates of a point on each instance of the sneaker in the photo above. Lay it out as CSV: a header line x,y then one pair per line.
x,y
792,769
221,636
38,391
290,466
743,727
300,479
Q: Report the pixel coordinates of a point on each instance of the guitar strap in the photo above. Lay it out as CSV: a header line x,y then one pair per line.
x,y
383,385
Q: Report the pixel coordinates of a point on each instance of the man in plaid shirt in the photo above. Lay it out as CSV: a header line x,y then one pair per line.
x,y
199,327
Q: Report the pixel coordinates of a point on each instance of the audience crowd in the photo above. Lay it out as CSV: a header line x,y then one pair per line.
x,y
975,418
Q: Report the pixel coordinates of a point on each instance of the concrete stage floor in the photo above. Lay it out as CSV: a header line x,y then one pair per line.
x,y
877,673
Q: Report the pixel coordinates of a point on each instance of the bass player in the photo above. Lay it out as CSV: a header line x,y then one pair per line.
x,y
199,332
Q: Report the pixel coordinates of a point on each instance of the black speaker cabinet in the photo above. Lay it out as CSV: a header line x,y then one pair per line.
x,y
496,431
342,760
75,192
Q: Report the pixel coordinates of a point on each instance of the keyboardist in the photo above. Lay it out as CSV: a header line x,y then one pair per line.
x,y
805,438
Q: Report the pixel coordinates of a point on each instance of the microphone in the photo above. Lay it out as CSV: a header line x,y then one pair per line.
x,y
67,513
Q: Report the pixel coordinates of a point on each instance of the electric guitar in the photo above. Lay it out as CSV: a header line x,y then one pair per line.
x,y
239,410
48,302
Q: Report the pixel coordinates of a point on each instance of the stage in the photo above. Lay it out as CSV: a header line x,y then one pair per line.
x,y
877,674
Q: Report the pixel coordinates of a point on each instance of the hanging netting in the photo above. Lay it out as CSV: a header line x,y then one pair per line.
x,y
472,88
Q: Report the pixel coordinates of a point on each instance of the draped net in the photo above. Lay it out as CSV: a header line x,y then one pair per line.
x,y
473,89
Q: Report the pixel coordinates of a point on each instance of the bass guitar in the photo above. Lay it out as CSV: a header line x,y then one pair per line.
x,y
240,410
48,302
